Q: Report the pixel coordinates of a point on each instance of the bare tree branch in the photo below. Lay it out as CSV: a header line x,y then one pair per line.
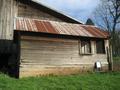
x,y
107,16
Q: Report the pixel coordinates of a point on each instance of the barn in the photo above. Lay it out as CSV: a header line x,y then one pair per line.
x,y
39,40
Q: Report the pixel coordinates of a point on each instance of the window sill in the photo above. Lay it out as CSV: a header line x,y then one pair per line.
x,y
86,54
101,53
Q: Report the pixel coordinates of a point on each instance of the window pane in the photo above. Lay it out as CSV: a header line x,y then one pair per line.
x,y
85,47
100,46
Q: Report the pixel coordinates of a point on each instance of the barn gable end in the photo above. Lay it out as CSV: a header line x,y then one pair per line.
x,y
33,10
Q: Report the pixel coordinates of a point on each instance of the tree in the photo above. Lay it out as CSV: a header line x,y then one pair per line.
x,y
107,16
89,22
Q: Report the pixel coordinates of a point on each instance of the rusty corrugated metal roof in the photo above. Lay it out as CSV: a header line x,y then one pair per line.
x,y
63,28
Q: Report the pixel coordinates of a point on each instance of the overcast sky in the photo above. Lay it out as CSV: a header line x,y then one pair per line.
x,y
79,9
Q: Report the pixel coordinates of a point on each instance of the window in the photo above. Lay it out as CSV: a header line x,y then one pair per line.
x,y
85,47
100,47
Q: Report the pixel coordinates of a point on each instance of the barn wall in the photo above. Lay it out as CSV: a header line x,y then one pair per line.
x,y
58,56
29,11
8,10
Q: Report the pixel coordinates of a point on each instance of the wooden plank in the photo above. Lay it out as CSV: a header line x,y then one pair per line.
x,y
52,50
34,38
7,13
29,11
45,53
48,50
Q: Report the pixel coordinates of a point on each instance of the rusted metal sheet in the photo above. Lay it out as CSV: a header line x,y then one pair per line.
x,y
63,28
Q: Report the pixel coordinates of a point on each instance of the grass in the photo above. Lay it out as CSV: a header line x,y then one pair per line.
x,y
93,81
116,58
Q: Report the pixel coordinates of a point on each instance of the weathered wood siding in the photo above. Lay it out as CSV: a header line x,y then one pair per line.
x,y
59,56
28,11
8,10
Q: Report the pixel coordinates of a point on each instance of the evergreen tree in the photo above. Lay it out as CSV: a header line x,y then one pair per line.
x,y
89,22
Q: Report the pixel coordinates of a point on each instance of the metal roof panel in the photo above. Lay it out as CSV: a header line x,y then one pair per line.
x,y
62,28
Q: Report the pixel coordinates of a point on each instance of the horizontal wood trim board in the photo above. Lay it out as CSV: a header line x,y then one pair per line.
x,y
47,39
36,67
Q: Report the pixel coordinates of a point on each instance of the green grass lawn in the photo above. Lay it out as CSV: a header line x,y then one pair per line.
x,y
116,58
93,81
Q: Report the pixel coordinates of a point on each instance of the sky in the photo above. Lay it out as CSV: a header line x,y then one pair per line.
x,y
78,9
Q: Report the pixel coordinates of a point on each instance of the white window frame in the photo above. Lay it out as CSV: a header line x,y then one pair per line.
x,y
85,47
